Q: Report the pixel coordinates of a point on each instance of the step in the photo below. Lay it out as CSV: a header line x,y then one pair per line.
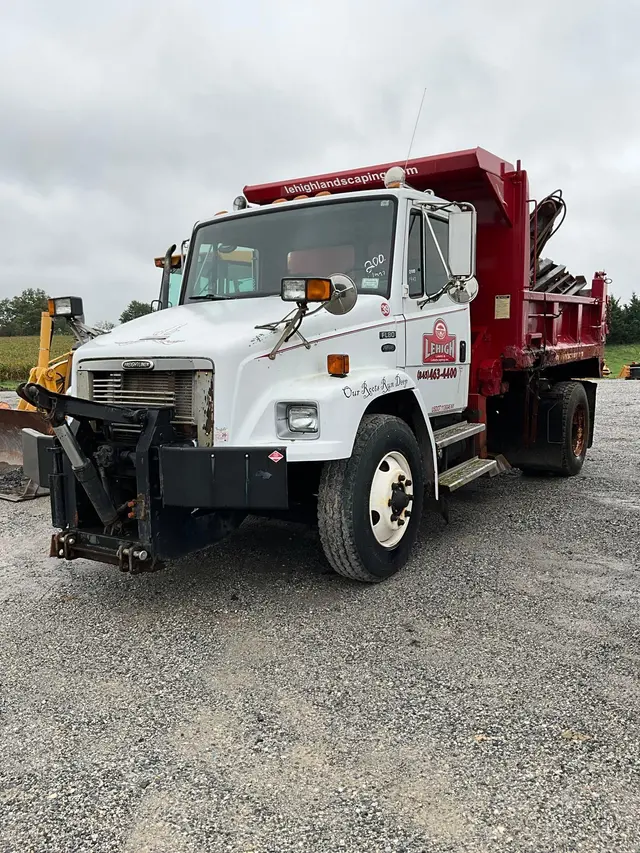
x,y
456,432
464,473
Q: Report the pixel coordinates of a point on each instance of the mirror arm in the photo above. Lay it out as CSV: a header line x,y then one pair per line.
x,y
292,325
434,296
437,245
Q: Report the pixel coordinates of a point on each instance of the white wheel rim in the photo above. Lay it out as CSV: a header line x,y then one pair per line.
x,y
392,470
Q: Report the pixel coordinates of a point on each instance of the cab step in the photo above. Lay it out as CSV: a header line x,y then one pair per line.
x,y
467,471
456,432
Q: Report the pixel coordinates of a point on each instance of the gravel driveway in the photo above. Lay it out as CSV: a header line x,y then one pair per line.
x,y
486,698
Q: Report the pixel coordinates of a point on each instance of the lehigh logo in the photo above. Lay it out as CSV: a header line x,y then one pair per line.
x,y
143,364
439,346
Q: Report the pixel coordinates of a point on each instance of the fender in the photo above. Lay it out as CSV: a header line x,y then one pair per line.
x,y
341,402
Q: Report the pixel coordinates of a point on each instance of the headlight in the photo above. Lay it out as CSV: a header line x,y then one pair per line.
x,y
65,306
294,289
302,418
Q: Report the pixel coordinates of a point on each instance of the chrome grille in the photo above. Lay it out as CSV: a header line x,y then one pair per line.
x,y
153,388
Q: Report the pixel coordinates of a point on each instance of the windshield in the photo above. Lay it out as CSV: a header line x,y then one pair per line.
x,y
249,255
175,283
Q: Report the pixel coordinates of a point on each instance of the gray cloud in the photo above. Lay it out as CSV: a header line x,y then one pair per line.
x,y
123,124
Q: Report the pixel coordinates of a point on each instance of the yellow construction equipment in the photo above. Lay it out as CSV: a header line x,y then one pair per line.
x,y
55,375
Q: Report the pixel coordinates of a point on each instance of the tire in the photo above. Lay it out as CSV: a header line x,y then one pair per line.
x,y
576,427
385,451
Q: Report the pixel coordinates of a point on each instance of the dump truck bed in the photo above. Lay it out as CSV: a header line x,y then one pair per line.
x,y
530,311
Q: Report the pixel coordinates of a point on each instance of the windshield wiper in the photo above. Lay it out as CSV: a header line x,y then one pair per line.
x,y
210,296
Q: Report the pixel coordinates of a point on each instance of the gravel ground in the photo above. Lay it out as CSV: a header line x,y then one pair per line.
x,y
486,698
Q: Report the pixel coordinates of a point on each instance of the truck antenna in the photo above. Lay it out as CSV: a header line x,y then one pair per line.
x,y
415,128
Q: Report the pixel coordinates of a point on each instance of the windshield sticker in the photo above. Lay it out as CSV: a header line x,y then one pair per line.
x,y
386,310
369,284
221,435
378,386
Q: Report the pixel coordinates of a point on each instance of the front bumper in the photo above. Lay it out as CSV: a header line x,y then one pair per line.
x,y
183,498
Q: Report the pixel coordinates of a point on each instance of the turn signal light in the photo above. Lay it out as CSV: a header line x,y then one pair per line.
x,y
338,365
318,289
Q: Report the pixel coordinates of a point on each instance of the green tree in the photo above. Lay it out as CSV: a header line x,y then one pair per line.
x,y
617,321
6,318
21,315
632,311
135,309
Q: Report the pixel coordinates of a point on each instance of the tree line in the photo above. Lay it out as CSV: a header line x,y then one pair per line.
x,y
624,321
20,315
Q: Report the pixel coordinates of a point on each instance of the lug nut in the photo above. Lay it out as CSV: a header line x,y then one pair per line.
x,y
400,522
408,483
61,552
72,541
407,514
141,555
401,477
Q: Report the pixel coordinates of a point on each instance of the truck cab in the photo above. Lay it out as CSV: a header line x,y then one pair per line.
x,y
356,344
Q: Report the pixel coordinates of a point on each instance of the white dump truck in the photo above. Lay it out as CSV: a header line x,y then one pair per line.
x,y
353,344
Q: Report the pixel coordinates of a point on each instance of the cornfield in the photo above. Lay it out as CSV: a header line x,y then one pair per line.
x,y
18,355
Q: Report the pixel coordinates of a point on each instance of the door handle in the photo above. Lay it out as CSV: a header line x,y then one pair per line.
x,y
463,351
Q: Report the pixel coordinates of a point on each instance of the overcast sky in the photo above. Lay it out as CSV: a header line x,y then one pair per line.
x,y
125,122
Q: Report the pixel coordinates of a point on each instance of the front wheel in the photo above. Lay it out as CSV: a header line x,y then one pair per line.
x,y
370,505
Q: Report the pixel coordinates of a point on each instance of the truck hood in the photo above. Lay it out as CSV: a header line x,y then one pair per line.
x,y
208,329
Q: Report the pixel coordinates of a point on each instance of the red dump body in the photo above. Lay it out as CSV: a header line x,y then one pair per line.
x,y
517,322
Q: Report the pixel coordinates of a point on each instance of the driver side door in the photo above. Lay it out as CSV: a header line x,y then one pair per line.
x,y
438,333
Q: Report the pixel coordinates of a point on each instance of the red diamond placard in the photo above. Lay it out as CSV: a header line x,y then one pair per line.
x,y
275,456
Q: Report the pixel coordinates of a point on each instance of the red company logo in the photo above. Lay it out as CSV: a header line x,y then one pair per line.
x,y
276,456
439,346
386,310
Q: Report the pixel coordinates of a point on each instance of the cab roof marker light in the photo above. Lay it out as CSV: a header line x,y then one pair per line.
x,y
395,178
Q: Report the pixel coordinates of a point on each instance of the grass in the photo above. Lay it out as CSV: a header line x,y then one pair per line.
x,y
18,355
617,355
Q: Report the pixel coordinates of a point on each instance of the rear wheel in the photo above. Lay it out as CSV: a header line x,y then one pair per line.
x,y
369,506
567,458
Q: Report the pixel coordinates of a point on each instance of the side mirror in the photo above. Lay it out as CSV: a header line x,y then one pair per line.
x,y
462,243
462,292
345,295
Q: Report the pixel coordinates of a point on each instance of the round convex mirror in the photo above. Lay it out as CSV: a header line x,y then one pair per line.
x,y
463,291
344,296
